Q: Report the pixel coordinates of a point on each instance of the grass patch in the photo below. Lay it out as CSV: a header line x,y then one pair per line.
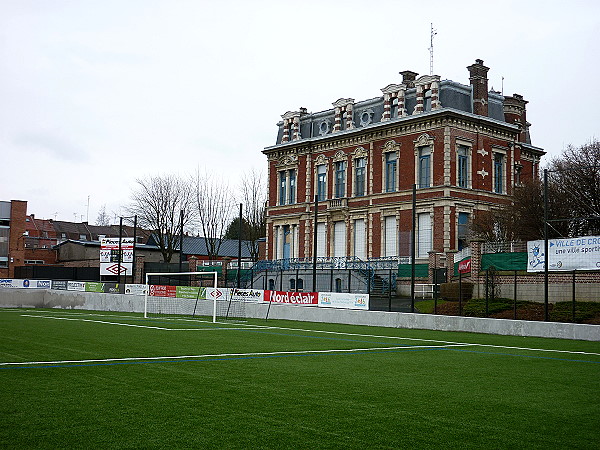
x,y
118,380
428,306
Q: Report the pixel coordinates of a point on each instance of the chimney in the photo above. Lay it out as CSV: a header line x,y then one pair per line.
x,y
408,78
478,77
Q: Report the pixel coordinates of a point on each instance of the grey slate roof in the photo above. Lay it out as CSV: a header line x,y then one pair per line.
x,y
453,95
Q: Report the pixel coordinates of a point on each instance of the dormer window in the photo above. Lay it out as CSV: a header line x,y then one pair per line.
x,y
343,122
427,100
394,109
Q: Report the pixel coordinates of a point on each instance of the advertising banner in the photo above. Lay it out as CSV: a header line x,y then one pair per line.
x,y
59,284
76,286
43,284
114,288
464,266
295,298
247,295
217,293
27,284
190,292
157,290
109,256
7,283
565,254
135,289
93,286
342,300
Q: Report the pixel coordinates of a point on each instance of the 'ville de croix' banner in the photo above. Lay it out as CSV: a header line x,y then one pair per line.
x,y
565,254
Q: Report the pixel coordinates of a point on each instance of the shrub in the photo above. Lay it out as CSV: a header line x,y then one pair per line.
x,y
450,291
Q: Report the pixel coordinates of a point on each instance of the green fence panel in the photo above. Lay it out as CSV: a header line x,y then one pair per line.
x,y
421,270
504,261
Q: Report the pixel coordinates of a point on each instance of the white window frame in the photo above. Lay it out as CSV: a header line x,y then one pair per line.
x,y
421,253
468,146
503,154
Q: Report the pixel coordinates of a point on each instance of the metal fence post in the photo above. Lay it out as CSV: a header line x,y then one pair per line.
x,y
460,293
349,280
574,295
515,295
281,279
331,281
390,291
487,285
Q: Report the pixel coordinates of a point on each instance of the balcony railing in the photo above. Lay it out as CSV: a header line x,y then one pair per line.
x,y
337,203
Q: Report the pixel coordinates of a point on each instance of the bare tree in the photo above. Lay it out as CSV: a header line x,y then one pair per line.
x,y
214,206
575,179
157,202
103,218
254,197
573,192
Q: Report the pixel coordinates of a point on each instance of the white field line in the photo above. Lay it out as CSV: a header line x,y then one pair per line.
x,y
339,333
222,355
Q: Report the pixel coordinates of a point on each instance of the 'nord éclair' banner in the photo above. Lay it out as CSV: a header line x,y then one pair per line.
x,y
295,298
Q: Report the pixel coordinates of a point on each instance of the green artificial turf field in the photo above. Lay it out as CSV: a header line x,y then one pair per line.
x,y
95,379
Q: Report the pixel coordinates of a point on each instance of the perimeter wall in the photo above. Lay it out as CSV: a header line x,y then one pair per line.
x,y
46,298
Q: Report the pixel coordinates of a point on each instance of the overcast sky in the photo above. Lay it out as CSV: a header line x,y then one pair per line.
x,y
96,94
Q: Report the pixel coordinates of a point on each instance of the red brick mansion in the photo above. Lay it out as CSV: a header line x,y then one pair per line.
x,y
463,146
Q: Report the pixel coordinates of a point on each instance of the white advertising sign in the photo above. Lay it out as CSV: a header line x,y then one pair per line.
x,y
217,293
27,284
565,254
76,286
9,283
109,256
135,289
341,300
247,295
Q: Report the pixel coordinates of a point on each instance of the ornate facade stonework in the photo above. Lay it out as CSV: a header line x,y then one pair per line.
x,y
465,149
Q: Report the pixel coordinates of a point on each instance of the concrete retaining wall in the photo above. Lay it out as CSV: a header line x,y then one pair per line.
x,y
42,298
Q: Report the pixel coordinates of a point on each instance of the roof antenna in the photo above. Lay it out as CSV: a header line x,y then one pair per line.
x,y
433,33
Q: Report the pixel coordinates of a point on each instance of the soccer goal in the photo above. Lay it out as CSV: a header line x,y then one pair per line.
x,y
180,294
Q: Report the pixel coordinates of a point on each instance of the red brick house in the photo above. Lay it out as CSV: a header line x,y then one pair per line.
x,y
463,146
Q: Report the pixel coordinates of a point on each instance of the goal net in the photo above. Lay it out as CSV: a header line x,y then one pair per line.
x,y
229,303
180,294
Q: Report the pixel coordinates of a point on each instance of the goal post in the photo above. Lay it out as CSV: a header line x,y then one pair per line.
x,y
169,299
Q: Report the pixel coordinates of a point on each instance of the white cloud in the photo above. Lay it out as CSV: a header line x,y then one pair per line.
x,y
96,94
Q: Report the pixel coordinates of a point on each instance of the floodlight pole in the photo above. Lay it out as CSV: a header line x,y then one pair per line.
x,y
412,249
239,248
546,245
119,257
314,273
180,240
133,267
